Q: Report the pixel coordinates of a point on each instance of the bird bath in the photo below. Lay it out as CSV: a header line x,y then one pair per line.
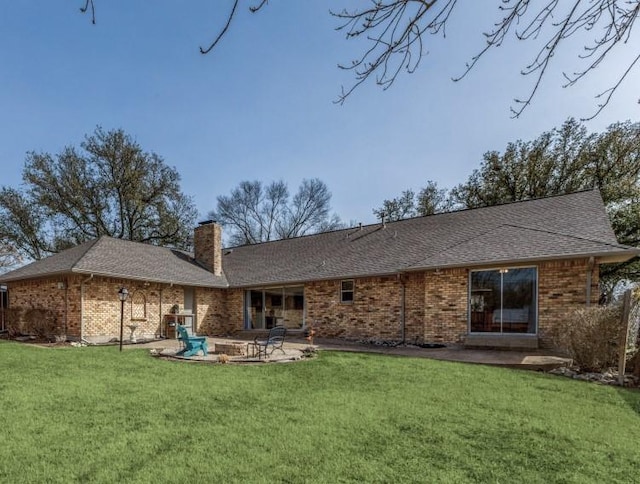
x,y
132,337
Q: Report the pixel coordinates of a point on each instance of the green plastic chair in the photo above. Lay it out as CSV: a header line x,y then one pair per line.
x,y
192,344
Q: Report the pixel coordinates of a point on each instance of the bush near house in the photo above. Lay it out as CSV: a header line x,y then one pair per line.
x,y
13,321
591,336
41,323
38,322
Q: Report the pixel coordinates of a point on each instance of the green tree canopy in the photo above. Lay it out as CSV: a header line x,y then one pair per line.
x,y
109,186
9,256
429,200
563,160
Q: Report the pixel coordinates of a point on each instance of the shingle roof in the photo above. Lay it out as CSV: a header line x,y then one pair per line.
x,y
111,257
558,227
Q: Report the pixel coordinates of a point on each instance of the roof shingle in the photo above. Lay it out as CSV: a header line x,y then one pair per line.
x,y
111,257
565,226
556,227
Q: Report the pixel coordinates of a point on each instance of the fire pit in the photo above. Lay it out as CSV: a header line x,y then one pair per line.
x,y
231,348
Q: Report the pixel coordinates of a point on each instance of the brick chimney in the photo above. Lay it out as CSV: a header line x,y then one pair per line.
x,y
207,243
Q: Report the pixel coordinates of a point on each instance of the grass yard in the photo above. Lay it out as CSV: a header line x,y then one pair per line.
x,y
94,415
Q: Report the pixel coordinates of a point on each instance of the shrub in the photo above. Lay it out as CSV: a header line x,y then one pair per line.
x,y
13,321
591,337
41,323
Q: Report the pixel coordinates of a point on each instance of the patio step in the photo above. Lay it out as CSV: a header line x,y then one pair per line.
x,y
501,341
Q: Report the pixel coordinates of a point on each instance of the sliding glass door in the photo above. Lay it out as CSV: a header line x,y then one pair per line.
x,y
503,301
278,306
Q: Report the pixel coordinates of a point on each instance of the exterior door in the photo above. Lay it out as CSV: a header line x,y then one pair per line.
x,y
189,303
503,301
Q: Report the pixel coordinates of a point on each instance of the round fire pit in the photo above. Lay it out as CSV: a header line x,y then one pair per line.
x,y
231,348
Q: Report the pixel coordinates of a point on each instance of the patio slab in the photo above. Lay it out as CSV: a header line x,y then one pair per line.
x,y
523,359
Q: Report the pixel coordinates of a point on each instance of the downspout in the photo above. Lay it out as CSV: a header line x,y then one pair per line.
x,y
163,327
82,306
161,315
66,304
402,307
590,265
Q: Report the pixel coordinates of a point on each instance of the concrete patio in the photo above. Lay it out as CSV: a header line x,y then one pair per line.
x,y
529,360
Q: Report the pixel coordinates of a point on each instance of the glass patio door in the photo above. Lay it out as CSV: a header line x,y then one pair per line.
x,y
278,306
503,301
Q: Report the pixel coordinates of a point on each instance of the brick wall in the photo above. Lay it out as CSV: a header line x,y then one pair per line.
x,y
145,307
445,305
207,243
414,307
213,312
373,314
435,308
435,304
235,311
562,289
102,309
60,294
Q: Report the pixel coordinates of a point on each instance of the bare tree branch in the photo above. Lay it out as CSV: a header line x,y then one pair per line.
x,y
223,31
615,18
395,37
89,3
252,9
395,29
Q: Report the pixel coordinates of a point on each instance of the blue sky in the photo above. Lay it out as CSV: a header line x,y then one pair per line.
x,y
261,105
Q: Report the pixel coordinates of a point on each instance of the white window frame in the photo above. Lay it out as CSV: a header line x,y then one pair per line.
x,y
344,291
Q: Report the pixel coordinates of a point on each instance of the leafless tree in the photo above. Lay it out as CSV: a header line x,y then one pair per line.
x,y
258,213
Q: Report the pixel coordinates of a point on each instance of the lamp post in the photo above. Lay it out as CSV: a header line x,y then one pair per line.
x,y
122,294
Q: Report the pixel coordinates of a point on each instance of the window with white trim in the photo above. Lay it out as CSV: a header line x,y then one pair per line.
x,y
346,291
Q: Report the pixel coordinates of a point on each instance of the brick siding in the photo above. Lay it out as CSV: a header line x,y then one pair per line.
x,y
59,294
445,307
207,242
435,304
374,312
562,288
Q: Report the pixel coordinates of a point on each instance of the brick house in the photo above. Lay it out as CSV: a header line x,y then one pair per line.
x,y
502,275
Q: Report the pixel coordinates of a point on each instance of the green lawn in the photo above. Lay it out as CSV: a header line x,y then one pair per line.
x,y
95,415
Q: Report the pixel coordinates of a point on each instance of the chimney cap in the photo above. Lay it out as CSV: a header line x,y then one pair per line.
x,y
207,222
